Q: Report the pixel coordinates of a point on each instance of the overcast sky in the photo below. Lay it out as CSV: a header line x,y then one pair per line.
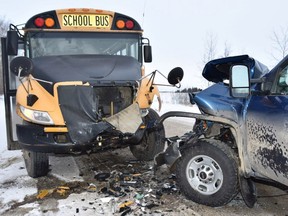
x,y
178,30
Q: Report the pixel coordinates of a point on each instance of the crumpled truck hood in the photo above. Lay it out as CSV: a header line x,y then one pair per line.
x,y
216,101
218,70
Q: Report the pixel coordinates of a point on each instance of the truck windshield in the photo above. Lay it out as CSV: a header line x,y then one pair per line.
x,y
81,43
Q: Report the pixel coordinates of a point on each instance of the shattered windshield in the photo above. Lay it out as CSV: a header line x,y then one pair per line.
x,y
75,43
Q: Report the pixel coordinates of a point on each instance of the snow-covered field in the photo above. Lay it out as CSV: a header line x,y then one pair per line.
x,y
15,184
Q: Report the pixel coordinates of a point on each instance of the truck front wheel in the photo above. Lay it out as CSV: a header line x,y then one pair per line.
x,y
37,163
152,143
207,173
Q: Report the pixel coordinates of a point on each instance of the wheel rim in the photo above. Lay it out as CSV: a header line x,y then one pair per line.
x,y
204,174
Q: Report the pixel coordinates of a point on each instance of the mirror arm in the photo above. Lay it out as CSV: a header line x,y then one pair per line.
x,y
178,85
258,80
152,78
15,28
27,90
44,81
145,43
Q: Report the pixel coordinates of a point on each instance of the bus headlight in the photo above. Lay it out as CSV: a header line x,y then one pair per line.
x,y
36,116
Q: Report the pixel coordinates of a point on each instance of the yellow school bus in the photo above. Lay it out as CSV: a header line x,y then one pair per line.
x,y
76,78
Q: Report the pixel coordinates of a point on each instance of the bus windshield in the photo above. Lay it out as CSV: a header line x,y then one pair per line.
x,y
81,43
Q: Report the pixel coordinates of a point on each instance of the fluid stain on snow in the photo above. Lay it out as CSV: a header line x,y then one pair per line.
x,y
270,152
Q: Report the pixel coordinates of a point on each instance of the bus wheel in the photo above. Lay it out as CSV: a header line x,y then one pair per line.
x,y
152,143
37,163
207,173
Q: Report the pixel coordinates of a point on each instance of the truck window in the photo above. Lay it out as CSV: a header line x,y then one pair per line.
x,y
282,83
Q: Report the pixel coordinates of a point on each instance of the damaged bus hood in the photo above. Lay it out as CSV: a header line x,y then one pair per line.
x,y
86,108
86,68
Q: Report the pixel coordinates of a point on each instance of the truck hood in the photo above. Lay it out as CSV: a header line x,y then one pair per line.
x,y
86,68
216,99
218,70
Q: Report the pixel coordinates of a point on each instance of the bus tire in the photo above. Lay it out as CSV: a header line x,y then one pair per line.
x,y
152,143
37,163
207,173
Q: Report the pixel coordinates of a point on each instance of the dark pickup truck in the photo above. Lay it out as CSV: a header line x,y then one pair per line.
x,y
240,135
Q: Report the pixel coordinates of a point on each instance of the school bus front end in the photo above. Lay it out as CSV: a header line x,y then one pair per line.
x,y
73,115
81,87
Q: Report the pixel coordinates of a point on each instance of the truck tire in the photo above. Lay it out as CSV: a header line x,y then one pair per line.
x,y
37,163
152,143
207,173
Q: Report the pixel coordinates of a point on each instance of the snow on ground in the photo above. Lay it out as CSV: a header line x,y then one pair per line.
x,y
15,184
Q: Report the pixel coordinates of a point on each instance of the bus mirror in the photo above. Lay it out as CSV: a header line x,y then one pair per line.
x,y
21,66
175,76
12,42
148,53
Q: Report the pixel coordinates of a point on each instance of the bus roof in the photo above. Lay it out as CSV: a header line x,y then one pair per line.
x,y
82,19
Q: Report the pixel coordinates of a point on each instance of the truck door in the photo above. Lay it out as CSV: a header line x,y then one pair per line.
x,y
10,83
267,130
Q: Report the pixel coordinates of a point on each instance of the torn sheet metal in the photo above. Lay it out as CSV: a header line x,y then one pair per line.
x,y
169,156
127,120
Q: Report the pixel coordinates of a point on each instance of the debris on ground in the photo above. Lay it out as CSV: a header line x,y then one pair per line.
x,y
61,190
132,187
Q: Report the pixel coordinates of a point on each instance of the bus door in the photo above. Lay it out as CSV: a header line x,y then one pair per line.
x,y
10,83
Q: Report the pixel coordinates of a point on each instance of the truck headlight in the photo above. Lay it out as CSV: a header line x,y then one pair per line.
x,y
36,116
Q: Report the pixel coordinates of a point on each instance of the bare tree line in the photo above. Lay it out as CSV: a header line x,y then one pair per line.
x,y
279,41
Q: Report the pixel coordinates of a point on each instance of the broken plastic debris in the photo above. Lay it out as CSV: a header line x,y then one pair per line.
x,y
91,188
62,190
125,210
44,193
102,176
63,187
126,203
139,196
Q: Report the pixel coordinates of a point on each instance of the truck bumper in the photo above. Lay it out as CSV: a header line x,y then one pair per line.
x,y
33,138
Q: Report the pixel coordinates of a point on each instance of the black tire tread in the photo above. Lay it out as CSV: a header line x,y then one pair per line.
x,y
37,163
156,144
230,187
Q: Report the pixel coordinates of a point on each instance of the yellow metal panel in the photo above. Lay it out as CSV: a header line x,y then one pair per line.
x,y
46,102
55,129
145,96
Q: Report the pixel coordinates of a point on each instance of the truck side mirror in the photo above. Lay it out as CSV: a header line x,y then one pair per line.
x,y
21,66
147,53
239,81
12,42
